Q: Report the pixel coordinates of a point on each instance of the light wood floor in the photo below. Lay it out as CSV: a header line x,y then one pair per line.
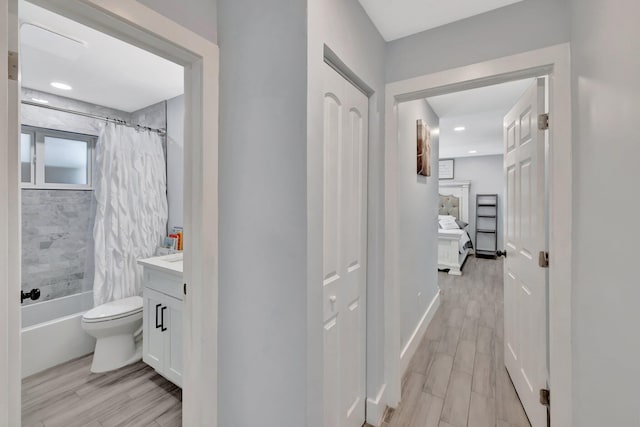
x,y
457,377
70,395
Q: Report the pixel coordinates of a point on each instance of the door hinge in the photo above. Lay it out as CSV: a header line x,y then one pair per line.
x,y
545,400
13,65
543,121
543,259
545,397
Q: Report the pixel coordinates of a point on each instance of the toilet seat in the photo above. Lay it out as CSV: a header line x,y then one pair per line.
x,y
114,310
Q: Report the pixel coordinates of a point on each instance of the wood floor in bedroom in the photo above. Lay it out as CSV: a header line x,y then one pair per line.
x,y
457,377
70,395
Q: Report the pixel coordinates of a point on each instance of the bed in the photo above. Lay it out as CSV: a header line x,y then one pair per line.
x,y
453,244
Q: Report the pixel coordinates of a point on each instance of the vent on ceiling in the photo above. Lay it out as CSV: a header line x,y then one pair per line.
x,y
47,40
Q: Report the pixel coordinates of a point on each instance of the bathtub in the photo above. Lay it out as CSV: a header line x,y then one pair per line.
x,y
52,333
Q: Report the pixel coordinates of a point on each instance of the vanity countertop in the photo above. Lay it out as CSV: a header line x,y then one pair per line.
x,y
171,264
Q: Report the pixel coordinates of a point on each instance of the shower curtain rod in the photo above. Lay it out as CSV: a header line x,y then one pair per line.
x,y
95,116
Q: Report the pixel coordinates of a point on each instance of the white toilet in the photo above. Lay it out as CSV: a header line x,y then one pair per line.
x,y
117,327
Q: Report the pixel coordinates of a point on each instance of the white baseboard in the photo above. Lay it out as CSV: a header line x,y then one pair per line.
x,y
412,345
376,408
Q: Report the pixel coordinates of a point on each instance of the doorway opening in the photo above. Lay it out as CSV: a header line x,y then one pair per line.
x,y
526,152
102,173
459,366
106,135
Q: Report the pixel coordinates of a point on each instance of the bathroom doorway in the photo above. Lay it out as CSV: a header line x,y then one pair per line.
x,y
71,90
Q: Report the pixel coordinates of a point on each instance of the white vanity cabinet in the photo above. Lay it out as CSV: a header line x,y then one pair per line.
x,y
162,321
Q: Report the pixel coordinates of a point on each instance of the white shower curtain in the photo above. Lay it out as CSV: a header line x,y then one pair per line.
x,y
131,208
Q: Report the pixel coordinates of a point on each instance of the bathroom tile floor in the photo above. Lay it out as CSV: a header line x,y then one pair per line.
x,y
457,377
70,395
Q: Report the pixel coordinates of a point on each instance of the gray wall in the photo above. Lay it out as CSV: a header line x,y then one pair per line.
x,y
487,177
153,116
417,218
344,27
200,16
262,352
605,315
270,202
523,26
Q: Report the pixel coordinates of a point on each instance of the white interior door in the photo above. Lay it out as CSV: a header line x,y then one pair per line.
x,y
525,297
345,250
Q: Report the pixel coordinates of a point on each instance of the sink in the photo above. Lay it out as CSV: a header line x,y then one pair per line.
x,y
173,258
168,263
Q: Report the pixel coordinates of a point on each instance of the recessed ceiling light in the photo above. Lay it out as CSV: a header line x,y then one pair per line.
x,y
61,86
459,128
473,151
40,100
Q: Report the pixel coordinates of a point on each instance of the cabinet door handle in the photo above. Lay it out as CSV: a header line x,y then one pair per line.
x,y
158,325
162,318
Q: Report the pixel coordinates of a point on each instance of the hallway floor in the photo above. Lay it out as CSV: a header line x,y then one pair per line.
x,y
70,395
457,377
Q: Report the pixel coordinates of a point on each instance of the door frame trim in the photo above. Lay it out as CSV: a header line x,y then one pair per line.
x,y
553,61
134,23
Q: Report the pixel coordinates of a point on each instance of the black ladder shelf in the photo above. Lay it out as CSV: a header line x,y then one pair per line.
x,y
486,225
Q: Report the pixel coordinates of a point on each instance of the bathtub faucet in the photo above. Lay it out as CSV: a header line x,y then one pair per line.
x,y
34,294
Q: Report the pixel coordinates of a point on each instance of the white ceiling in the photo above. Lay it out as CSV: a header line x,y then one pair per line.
x,y
481,111
101,69
400,18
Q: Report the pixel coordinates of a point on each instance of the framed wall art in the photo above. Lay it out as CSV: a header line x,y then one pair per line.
x,y
446,169
423,141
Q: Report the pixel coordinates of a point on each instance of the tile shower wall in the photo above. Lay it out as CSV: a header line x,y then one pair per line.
x,y
57,225
56,241
154,116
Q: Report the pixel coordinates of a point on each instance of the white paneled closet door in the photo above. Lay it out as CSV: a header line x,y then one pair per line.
x,y
345,251
525,293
